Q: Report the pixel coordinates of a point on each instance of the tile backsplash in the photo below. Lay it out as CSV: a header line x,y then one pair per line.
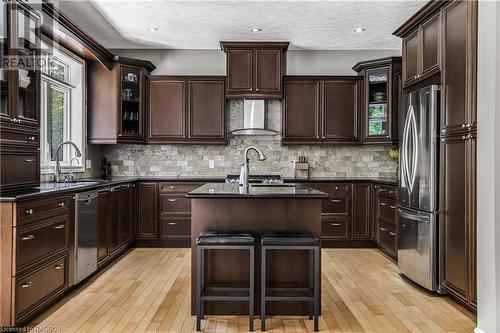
x,y
193,160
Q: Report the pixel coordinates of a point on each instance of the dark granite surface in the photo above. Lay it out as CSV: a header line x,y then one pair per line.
x,y
223,190
91,184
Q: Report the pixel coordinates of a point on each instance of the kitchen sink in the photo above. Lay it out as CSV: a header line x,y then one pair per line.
x,y
273,185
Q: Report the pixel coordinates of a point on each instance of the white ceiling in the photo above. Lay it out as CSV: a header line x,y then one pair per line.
x,y
315,25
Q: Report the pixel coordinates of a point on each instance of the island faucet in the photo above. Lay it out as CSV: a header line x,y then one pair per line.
x,y
57,172
244,173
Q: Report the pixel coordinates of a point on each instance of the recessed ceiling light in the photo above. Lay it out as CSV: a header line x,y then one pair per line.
x,y
359,29
256,30
153,29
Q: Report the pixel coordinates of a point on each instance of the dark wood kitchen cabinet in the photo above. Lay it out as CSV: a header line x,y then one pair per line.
x,y
362,196
321,110
185,109
116,101
385,218
20,90
147,227
254,69
381,99
458,218
102,225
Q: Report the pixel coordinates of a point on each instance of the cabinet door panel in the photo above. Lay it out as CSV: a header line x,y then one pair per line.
x,y
115,219
127,214
340,111
267,71
301,111
148,211
102,225
19,169
207,107
430,46
410,57
454,209
166,110
239,71
361,211
455,66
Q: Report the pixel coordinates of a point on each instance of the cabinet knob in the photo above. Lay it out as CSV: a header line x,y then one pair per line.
x,y
171,187
27,284
29,161
391,192
59,266
464,125
31,138
30,211
172,223
335,224
61,204
336,200
28,237
336,187
172,200
60,226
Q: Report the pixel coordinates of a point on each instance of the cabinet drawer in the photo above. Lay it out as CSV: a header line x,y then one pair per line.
x,y
13,136
174,204
19,169
39,286
180,188
36,209
387,210
387,236
41,239
334,227
387,191
175,227
336,205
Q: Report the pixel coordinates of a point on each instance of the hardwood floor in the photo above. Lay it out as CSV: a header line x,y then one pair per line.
x,y
148,290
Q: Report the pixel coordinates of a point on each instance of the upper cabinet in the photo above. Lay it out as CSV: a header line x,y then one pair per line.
x,y
116,101
421,49
321,110
381,99
185,109
255,69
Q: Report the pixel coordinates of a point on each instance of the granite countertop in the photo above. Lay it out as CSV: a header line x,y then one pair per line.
x,y
81,185
225,190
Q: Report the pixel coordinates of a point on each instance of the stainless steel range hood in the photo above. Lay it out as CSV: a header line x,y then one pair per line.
x,y
254,119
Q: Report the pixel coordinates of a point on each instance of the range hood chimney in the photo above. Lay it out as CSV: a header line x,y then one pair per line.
x,y
254,119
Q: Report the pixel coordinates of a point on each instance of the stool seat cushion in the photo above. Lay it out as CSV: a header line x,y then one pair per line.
x,y
285,239
224,238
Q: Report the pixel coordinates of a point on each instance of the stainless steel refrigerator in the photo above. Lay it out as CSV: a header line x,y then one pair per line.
x,y
418,188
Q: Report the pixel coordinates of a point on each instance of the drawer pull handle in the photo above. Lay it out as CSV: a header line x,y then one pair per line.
x,y
171,187
393,207
172,200
29,211
336,200
383,204
27,284
29,160
336,187
392,233
172,223
61,204
336,224
59,266
383,229
31,138
28,237
391,192
60,226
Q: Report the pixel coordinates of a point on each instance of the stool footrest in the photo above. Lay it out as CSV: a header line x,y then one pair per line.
x,y
227,289
303,289
225,298
290,298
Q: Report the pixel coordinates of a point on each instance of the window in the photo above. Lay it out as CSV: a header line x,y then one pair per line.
x,y
63,109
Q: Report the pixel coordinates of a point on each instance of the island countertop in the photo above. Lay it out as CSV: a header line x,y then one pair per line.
x,y
277,191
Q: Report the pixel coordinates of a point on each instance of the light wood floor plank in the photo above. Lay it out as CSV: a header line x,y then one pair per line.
x,y
148,290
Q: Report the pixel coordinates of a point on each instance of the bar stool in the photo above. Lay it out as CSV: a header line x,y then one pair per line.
x,y
213,240
292,242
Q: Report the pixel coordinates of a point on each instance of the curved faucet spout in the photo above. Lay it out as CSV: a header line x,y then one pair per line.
x,y
262,157
245,169
58,162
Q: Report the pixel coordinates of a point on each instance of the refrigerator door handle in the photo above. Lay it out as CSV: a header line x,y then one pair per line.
x,y
413,216
414,150
404,160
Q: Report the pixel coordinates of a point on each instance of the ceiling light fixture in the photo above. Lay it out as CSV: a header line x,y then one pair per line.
x,y
153,29
359,29
256,30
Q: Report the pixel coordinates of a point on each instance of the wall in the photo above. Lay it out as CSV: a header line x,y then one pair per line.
x,y
213,62
488,167
185,160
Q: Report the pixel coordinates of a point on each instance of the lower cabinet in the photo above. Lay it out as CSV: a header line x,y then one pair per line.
x,y
147,227
385,218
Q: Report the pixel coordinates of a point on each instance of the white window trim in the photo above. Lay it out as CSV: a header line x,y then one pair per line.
x,y
74,122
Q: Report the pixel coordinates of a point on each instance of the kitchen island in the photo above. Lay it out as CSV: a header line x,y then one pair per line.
x,y
257,209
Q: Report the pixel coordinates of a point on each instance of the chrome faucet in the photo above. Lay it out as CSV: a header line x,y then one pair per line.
x,y
244,173
57,172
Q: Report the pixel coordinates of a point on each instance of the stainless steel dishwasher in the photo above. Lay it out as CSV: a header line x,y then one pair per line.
x,y
85,234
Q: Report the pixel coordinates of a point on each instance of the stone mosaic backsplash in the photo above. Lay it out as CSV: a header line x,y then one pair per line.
x,y
193,160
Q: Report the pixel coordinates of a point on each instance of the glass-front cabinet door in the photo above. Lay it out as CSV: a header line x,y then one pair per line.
x,y
4,73
27,47
377,113
131,88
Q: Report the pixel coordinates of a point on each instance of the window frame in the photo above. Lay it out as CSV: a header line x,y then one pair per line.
x,y
74,123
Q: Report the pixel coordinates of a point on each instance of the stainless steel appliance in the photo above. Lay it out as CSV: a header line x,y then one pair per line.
x,y
85,234
418,188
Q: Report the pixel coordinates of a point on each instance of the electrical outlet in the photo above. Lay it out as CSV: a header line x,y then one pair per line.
x,y
211,164
88,164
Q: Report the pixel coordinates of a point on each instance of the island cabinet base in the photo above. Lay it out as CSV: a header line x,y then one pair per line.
x,y
229,267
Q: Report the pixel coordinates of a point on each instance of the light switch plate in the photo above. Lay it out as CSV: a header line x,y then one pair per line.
x,y
211,164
